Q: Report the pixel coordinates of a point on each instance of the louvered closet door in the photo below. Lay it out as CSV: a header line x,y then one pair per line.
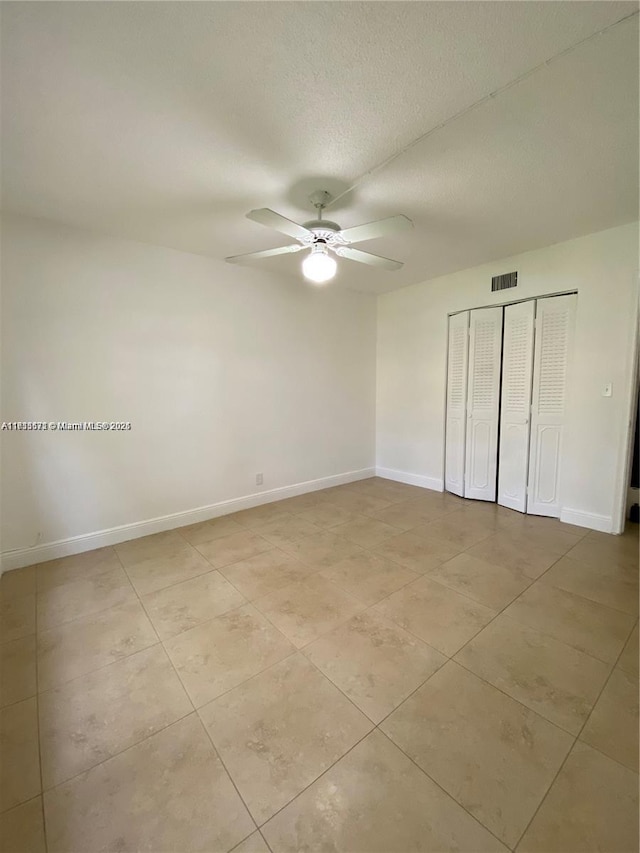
x,y
457,360
553,342
517,370
483,397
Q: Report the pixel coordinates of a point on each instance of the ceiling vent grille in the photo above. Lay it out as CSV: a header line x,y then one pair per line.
x,y
502,282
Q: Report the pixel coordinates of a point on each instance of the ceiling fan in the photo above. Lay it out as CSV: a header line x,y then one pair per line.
x,y
321,236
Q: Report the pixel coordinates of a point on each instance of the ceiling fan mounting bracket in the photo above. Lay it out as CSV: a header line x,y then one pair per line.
x,y
320,198
323,229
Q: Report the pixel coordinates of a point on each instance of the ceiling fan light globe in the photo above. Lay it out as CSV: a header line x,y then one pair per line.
x,y
319,267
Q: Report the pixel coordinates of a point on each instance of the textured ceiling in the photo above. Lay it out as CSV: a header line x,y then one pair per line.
x,y
165,122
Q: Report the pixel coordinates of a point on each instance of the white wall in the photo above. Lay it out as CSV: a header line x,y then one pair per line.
x,y
223,371
411,365
226,371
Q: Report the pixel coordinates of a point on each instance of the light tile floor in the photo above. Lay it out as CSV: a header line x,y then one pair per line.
x,y
373,667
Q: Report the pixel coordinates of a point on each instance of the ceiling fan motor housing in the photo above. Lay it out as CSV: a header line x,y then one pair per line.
x,y
322,231
321,224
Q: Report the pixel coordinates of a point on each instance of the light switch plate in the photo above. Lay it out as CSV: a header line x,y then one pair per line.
x,y
607,391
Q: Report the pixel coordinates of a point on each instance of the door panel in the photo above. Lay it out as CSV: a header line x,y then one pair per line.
x,y
480,445
517,371
548,464
553,345
483,397
458,354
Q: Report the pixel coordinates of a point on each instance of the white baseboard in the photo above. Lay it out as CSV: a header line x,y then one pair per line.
x,y
433,483
20,557
602,523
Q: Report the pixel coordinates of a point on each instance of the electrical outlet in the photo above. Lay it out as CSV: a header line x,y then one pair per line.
x,y
259,479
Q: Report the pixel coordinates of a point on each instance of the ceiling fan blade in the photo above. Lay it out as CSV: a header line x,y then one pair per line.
x,y
379,228
267,253
275,220
367,258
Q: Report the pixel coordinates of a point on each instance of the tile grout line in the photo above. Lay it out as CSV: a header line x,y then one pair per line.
x,y
313,782
132,745
377,725
256,675
255,530
214,568
177,582
246,838
604,687
64,684
242,683
407,698
301,650
33,634
197,710
357,743
498,613
116,754
452,659
194,710
433,580
444,791
460,505
268,846
337,686
544,633
513,699
44,814
88,613
579,595
499,689
84,616
317,571
575,737
230,777
501,611
608,757
573,746
296,650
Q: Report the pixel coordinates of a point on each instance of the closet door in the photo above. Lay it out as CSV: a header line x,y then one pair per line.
x,y
458,356
554,333
515,404
483,397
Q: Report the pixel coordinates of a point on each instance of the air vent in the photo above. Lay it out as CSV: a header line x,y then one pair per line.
x,y
502,282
